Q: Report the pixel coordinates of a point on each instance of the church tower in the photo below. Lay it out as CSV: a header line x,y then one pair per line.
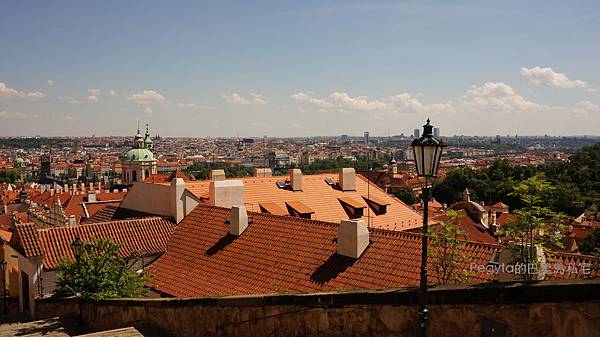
x,y
139,162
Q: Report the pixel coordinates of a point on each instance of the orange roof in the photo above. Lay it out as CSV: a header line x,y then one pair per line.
x,y
299,207
148,236
354,203
322,198
5,235
376,200
282,253
272,208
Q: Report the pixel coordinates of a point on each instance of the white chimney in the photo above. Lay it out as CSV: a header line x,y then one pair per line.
x,y
66,187
347,179
238,221
82,187
216,175
74,188
91,186
352,238
91,197
509,270
226,193
263,172
99,186
295,179
51,192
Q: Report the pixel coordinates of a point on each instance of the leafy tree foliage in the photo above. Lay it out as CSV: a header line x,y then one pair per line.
x,y
591,244
361,163
201,170
445,250
536,225
407,196
100,272
9,176
576,182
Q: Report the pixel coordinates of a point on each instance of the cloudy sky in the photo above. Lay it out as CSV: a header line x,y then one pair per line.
x,y
292,68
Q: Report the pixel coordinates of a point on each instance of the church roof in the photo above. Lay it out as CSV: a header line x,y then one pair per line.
x,y
139,155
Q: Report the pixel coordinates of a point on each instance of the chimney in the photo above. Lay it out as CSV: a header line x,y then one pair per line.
x,y
347,179
91,197
91,186
352,238
82,187
74,188
295,179
178,199
99,186
238,221
226,193
51,192
66,187
262,172
216,175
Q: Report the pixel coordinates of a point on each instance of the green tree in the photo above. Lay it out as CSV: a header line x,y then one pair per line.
x,y
407,196
10,176
446,250
591,244
100,272
536,225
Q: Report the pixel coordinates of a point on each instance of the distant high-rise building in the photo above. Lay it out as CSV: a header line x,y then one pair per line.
x,y
344,138
366,137
417,133
436,132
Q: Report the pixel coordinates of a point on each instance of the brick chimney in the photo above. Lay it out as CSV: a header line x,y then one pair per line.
x,y
262,172
216,175
295,179
347,179
238,221
226,193
352,238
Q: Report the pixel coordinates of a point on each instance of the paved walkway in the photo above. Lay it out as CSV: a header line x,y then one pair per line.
x,y
57,327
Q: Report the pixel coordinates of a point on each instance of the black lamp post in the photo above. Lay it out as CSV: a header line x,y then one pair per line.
x,y
4,297
427,152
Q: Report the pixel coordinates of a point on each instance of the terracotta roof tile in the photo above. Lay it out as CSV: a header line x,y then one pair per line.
x,y
147,236
323,199
285,254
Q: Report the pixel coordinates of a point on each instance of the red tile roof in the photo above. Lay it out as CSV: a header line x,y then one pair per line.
x,y
285,254
148,236
472,231
322,198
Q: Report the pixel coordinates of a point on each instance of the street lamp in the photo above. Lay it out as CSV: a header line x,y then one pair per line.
x,y
4,297
77,247
427,152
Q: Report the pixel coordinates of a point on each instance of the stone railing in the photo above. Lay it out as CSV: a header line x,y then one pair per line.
x,y
565,308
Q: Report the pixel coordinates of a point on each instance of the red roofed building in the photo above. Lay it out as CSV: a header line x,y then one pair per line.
x,y
286,254
40,250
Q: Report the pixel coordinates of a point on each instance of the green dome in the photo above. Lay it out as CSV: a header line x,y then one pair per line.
x,y
138,155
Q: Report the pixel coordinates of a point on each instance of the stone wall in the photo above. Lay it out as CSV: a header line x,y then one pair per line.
x,y
543,309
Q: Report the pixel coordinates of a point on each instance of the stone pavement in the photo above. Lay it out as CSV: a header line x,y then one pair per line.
x,y
60,327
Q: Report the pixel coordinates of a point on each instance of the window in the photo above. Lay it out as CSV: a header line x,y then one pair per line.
x,y
134,176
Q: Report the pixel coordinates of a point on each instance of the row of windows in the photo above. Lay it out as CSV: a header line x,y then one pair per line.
x,y
134,177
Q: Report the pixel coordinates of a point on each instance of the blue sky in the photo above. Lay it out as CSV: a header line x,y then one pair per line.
x,y
291,68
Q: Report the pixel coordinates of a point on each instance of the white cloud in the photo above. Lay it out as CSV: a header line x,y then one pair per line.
x,y
111,92
547,76
342,101
146,97
236,98
15,115
495,96
68,99
8,92
93,95
587,107
51,83
68,118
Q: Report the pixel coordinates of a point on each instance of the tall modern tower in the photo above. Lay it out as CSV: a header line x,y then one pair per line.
x,y
417,133
436,132
366,137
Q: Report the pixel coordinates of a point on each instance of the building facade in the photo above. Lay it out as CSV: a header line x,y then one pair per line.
x,y
139,162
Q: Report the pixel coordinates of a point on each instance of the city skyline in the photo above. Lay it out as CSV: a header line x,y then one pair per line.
x,y
310,69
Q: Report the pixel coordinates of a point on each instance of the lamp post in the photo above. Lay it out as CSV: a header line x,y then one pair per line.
x,y
4,297
427,152
77,247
